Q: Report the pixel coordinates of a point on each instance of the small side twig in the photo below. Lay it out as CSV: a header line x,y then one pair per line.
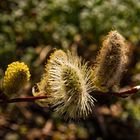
x,y
2,96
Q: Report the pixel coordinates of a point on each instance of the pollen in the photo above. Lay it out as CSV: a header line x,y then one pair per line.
x,y
16,76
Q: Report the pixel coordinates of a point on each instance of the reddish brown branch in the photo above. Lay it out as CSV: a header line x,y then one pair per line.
x,y
24,99
128,92
122,94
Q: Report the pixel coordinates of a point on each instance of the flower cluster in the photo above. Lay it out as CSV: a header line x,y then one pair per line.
x,y
68,82
16,75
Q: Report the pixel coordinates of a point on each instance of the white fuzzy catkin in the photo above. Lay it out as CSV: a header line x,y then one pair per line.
x,y
69,85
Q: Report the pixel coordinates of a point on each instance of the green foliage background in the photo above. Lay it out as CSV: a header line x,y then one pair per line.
x,y
30,27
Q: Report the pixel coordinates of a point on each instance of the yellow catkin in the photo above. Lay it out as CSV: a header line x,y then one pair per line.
x,y
16,76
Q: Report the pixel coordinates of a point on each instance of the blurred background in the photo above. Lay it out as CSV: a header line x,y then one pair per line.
x,y
29,29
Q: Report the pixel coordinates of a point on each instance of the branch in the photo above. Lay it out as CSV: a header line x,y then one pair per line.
x,y
122,94
129,92
24,99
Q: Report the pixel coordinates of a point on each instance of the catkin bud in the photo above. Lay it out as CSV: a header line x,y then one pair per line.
x,y
111,62
16,75
69,84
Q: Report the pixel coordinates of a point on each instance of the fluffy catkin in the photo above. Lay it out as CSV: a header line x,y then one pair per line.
x,y
69,83
16,75
111,62
55,60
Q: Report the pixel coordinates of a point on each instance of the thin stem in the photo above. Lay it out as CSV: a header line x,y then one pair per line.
x,y
122,94
129,92
25,99
126,93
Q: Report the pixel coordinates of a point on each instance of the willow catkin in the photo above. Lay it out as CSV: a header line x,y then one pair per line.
x,y
16,76
69,83
111,62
